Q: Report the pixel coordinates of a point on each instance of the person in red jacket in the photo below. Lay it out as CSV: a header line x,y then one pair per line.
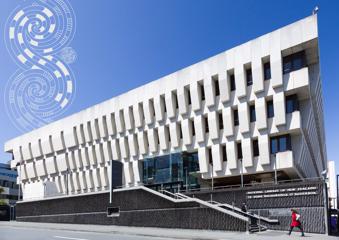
x,y
296,222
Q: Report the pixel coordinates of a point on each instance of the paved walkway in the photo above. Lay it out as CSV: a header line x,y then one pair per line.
x,y
162,232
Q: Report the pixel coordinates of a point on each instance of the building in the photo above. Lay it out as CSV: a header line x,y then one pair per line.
x,y
253,113
332,184
8,182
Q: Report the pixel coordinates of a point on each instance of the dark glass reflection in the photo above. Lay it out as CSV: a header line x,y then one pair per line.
x,y
171,172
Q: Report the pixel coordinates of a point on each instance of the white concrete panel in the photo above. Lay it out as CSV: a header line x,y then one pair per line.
x,y
82,180
279,108
244,120
246,145
276,59
136,172
115,149
209,91
96,178
143,142
50,165
231,151
257,65
149,111
199,124
163,137
217,157
159,108
133,144
89,179
129,118
75,178
120,121
107,150
58,142
88,132
104,177
40,168
70,138
111,125
71,161
187,131
171,104
260,112
61,162
227,116
46,146
183,100
77,158
195,96
36,149
264,151
99,153
239,75
124,150
128,172
152,140
224,87
95,129
175,134
85,157
138,113
26,152
30,170
103,127
213,125
203,159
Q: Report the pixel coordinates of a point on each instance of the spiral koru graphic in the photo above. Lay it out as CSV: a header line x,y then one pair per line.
x,y
44,86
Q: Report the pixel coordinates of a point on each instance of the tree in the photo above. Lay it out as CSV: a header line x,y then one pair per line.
x,y
2,201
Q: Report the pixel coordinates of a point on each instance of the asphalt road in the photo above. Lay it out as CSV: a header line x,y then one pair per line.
x,y
18,233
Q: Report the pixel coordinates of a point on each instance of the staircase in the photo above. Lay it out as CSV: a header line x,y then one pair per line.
x,y
252,220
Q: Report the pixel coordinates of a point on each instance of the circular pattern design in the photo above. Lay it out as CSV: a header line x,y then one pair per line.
x,y
68,55
44,86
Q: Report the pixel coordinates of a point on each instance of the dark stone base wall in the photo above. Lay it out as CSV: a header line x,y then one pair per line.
x,y
137,208
144,209
311,208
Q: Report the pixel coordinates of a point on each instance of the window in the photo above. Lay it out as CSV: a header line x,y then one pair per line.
x,y
239,150
270,109
255,148
253,117
292,103
267,71
249,78
175,99
163,102
206,125
235,117
216,85
224,153
232,82
280,144
294,62
189,96
221,123
180,130
210,159
202,91
193,128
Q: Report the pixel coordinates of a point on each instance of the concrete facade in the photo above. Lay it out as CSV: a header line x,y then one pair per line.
x,y
195,109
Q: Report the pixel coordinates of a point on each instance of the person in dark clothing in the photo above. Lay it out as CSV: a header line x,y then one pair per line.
x,y
296,222
244,207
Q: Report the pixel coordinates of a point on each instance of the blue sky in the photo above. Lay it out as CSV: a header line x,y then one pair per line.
x,y
125,44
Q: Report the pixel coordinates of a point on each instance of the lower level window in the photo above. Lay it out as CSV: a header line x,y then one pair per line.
x,y
280,144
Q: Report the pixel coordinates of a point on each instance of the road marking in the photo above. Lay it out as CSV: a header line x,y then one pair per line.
x,y
70,238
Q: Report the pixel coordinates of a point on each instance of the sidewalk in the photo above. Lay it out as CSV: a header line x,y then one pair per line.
x,y
164,232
